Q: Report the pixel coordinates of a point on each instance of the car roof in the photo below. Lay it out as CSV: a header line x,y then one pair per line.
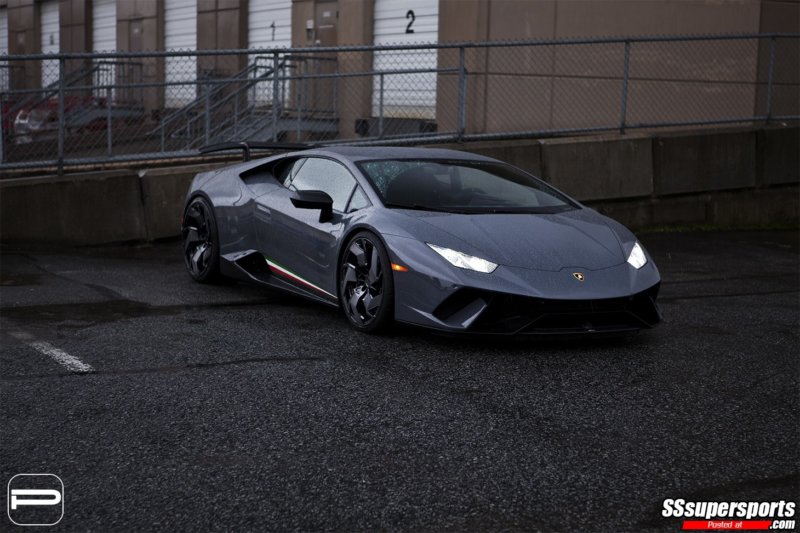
x,y
361,153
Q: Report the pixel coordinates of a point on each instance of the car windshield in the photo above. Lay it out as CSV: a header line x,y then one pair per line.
x,y
461,186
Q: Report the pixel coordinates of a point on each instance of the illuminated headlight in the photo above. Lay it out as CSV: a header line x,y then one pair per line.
x,y
462,260
637,259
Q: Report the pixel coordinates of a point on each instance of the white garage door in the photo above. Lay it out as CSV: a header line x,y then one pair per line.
x,y
3,48
180,33
104,25
402,22
269,26
104,39
50,44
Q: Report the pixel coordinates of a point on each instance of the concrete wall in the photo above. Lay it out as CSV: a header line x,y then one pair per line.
x,y
96,207
600,168
722,178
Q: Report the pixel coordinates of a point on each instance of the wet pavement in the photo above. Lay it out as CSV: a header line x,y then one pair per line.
x,y
236,407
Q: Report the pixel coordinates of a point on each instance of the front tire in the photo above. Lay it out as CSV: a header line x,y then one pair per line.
x,y
366,286
200,241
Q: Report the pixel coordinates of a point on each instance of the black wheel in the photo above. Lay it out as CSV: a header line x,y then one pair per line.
x,y
366,287
200,242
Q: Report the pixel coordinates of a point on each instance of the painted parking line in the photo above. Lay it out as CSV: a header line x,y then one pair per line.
x,y
70,362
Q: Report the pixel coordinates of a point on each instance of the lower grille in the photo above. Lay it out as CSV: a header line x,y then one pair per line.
x,y
510,314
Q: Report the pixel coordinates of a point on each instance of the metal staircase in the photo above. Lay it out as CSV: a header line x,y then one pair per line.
x,y
228,109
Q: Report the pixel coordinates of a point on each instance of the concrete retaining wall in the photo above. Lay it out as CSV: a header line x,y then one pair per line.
x,y
777,156
595,169
746,177
702,162
87,209
95,207
163,193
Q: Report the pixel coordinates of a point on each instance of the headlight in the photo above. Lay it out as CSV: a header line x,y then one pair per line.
x,y
462,260
637,259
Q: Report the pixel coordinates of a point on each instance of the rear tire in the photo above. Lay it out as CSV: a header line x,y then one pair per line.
x,y
200,241
366,285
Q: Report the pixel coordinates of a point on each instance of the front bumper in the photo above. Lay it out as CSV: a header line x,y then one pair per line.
x,y
518,301
509,314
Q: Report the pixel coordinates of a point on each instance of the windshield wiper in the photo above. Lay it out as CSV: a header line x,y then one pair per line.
x,y
549,210
418,207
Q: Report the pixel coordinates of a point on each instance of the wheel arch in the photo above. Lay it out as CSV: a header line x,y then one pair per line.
x,y
346,238
197,193
215,272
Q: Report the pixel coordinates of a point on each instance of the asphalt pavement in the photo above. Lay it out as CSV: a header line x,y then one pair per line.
x,y
233,407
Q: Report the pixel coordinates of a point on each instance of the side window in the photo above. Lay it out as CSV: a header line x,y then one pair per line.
x,y
318,174
359,201
287,171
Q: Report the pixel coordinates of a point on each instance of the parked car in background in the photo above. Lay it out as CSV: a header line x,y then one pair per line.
x,y
82,113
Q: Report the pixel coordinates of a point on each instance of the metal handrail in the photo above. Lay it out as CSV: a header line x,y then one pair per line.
x,y
171,117
212,109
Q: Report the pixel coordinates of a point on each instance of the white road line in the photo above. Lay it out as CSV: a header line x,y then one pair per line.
x,y
70,362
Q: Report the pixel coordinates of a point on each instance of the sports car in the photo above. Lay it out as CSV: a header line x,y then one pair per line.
x,y
436,238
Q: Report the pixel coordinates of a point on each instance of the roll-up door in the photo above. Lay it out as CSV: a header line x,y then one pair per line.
x,y
269,26
50,36
4,83
104,39
180,33
104,25
410,21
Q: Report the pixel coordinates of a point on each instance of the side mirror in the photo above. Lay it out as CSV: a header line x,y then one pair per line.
x,y
314,200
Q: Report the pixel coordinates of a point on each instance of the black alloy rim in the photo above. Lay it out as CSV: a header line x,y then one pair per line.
x,y
362,281
197,243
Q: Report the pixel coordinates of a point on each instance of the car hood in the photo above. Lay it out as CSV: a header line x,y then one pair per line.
x,y
578,238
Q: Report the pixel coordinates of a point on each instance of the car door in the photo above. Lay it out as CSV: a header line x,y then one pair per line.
x,y
299,247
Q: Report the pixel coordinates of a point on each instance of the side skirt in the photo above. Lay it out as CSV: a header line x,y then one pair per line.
x,y
253,266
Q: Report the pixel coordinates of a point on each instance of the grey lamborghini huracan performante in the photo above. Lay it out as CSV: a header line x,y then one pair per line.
x,y
437,238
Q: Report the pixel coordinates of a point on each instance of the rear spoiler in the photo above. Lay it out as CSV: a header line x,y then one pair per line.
x,y
247,147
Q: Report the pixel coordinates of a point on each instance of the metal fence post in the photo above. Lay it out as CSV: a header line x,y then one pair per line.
x,y
236,113
2,130
770,74
298,110
462,93
108,120
623,108
62,121
336,89
208,112
163,134
380,108
275,89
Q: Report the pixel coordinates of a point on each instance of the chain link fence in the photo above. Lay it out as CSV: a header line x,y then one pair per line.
x,y
69,109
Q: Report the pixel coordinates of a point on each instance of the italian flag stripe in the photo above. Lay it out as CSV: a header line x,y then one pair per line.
x,y
286,273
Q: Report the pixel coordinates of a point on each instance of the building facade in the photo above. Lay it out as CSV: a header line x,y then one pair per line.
x,y
556,78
